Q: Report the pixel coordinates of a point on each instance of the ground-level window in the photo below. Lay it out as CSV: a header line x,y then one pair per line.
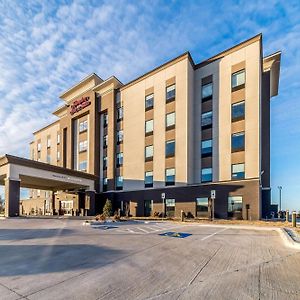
x,y
235,207
202,207
170,208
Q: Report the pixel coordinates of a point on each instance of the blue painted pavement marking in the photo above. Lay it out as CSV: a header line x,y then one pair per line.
x,y
180,235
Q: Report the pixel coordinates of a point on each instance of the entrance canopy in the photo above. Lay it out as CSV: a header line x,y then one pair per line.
x,y
16,172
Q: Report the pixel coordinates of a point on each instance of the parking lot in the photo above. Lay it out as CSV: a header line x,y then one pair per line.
x,y
62,259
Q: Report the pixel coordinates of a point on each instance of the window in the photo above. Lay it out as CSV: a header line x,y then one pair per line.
x,y
170,93
202,207
238,80
170,148
119,182
120,113
149,101
83,166
170,176
48,142
170,208
149,179
238,111
58,139
48,158
149,153
118,97
39,147
149,127
104,162
105,141
105,184
105,120
206,120
119,159
206,174
207,92
39,156
238,142
58,156
238,171
83,126
235,206
83,146
120,136
170,120
206,148
38,193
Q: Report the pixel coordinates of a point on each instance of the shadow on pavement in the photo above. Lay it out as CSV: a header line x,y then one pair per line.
x,y
43,259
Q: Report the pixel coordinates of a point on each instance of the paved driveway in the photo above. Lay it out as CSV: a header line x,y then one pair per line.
x,y
61,259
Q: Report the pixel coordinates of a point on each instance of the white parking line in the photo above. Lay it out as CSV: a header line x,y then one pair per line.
x,y
219,231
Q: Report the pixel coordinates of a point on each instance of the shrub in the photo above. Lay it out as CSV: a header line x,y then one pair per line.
x,y
116,217
107,209
156,214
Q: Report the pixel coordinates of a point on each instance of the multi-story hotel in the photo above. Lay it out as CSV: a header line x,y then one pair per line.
x,y
162,142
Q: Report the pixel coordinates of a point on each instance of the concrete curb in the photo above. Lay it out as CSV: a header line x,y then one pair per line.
x,y
287,239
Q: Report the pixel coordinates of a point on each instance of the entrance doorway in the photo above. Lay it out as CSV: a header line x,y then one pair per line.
x,y
67,207
148,208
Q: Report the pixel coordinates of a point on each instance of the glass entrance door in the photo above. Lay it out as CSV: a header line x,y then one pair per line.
x,y
148,208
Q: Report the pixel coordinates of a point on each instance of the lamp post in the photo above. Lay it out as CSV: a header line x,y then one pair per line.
x,y
279,188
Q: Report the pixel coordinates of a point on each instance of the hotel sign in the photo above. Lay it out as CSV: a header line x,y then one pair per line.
x,y
80,104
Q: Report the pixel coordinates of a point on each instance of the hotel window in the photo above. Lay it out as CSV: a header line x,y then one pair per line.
x,y
58,156
119,159
83,166
149,101
118,97
201,207
105,162
170,208
149,153
105,120
149,127
206,120
119,136
39,156
149,179
119,182
39,147
207,92
105,184
238,111
238,171
170,120
105,141
170,93
238,142
48,142
235,206
58,139
83,146
206,175
83,126
120,113
238,80
38,193
48,158
170,148
206,148
170,176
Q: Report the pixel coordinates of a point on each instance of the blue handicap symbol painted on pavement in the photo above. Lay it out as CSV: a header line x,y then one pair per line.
x,y
180,235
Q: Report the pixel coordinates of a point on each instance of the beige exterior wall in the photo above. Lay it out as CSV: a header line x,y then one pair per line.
x,y
133,98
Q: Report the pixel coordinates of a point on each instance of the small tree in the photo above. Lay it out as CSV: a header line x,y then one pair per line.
x,y
107,209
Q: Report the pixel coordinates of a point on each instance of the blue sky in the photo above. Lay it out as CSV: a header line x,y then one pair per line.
x,y
47,46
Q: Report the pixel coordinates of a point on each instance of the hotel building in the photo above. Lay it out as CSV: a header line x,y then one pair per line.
x,y
162,142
